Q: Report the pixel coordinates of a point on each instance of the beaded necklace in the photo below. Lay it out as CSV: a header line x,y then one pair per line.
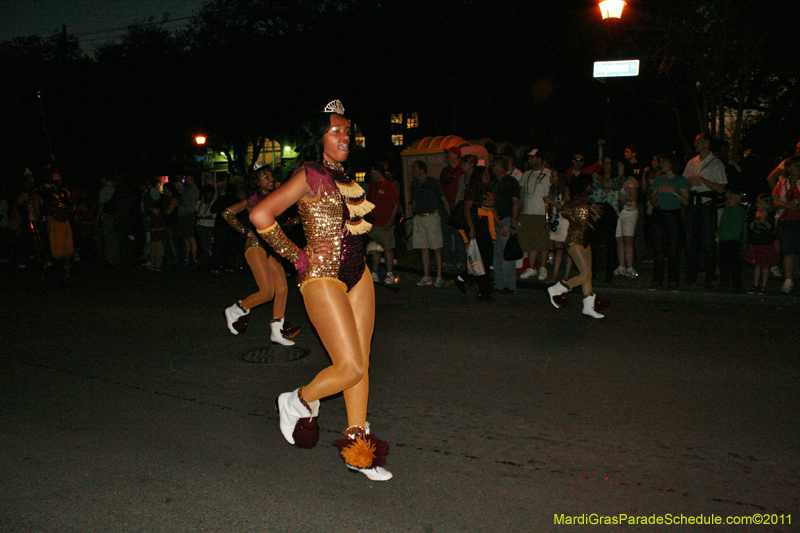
x,y
539,177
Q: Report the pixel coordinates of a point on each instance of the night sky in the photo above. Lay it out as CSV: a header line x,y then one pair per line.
x,y
86,18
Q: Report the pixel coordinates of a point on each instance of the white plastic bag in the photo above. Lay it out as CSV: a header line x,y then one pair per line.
x,y
474,260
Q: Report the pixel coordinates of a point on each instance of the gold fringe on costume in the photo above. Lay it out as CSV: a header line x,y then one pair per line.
x,y
351,190
357,207
357,226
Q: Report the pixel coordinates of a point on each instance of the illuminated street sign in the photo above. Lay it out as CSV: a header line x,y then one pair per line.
x,y
613,69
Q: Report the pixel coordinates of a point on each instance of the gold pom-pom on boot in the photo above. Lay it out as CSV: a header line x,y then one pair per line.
x,y
364,452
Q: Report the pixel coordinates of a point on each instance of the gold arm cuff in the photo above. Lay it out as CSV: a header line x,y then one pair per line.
x,y
230,218
277,239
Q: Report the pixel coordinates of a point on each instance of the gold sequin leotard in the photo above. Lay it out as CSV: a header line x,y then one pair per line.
x,y
579,225
330,218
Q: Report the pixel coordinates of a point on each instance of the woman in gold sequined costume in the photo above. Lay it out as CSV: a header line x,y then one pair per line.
x,y
336,286
267,271
580,214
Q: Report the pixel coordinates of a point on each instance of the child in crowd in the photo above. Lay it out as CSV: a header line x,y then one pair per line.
x,y
626,226
158,230
730,231
761,252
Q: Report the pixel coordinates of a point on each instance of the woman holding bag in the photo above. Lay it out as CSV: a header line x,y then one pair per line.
x,y
458,216
483,226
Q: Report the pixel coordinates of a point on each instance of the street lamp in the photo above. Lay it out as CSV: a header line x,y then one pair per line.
x,y
202,150
611,9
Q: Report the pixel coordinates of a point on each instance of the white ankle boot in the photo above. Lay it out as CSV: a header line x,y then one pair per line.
x,y
374,474
588,306
237,319
555,291
298,423
277,335
361,444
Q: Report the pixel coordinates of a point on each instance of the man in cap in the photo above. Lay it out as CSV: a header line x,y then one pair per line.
x,y
534,235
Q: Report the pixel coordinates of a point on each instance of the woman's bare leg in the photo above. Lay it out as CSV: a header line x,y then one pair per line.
x,y
362,298
583,260
628,251
568,266
259,266
558,256
280,288
344,322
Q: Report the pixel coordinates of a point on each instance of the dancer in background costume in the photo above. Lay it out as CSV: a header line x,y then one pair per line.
x,y
267,271
26,223
57,206
336,285
580,213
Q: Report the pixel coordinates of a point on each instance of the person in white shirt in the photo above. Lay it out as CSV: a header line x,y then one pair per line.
x,y
533,232
707,180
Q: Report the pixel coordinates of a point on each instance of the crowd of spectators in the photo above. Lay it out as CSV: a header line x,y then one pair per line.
x,y
157,223
680,222
688,219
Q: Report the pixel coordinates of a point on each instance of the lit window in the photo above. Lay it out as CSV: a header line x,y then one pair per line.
x,y
360,176
397,140
360,140
412,121
397,118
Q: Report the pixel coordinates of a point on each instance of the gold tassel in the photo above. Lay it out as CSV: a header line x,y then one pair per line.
x,y
350,190
359,209
359,227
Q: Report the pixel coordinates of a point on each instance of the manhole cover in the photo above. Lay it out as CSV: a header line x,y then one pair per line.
x,y
274,354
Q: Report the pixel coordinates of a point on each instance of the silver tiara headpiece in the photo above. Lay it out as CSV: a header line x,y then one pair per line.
x,y
335,107
258,164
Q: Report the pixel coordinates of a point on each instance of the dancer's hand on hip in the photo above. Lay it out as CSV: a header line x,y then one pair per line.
x,y
319,253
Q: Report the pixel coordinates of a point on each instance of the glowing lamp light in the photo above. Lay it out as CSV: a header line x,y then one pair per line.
x,y
200,140
611,9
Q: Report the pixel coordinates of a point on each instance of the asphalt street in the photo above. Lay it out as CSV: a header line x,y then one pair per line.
x,y
125,406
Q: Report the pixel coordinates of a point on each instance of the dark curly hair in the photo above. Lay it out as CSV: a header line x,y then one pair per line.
x,y
312,131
